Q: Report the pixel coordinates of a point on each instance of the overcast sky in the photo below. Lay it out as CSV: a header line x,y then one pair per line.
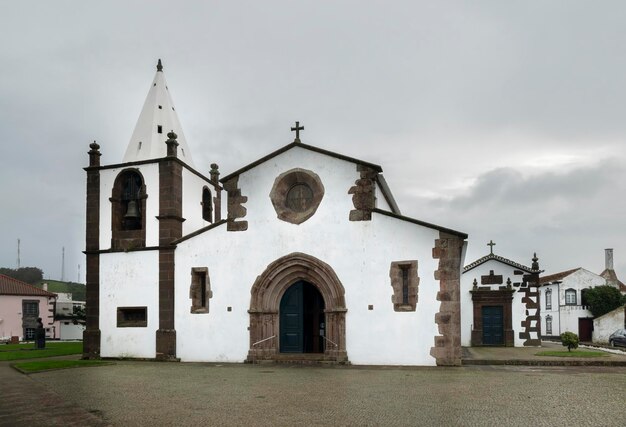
x,y
504,120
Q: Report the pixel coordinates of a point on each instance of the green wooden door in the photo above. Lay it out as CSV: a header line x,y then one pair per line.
x,y
291,319
493,325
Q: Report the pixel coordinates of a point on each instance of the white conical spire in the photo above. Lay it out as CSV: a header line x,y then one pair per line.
x,y
157,118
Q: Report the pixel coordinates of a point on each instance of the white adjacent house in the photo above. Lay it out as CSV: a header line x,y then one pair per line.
x,y
302,254
499,303
563,305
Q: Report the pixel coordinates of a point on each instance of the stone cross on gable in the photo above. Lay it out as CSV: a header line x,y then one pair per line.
x,y
297,129
491,245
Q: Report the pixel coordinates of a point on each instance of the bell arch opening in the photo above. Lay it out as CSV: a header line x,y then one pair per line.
x,y
128,211
267,293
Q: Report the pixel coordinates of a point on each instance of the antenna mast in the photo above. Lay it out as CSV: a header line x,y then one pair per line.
x,y
18,254
63,264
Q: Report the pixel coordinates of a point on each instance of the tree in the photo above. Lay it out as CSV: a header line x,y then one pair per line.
x,y
603,299
569,340
30,275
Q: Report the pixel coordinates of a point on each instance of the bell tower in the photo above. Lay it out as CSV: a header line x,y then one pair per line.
x,y
137,206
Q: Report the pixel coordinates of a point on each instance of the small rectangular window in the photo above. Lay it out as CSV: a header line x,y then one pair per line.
x,y
159,129
30,308
132,317
549,325
405,285
200,290
548,299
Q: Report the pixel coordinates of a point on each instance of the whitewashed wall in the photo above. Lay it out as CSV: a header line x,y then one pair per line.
x,y
553,311
129,280
359,252
604,326
192,201
70,331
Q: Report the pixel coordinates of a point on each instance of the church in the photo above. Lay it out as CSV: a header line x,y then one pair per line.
x,y
500,302
302,255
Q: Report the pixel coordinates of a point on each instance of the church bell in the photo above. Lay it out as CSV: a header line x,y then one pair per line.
x,y
132,211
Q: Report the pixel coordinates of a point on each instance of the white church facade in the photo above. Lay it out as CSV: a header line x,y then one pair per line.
x,y
302,254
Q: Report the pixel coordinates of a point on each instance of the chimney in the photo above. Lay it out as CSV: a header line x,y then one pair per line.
x,y
45,287
608,259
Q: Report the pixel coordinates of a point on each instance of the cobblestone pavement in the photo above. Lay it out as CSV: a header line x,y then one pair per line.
x,y
168,394
24,401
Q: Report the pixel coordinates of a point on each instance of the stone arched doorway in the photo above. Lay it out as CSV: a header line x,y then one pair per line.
x,y
267,292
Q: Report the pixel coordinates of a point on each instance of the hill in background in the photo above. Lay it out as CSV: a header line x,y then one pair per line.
x,y
76,289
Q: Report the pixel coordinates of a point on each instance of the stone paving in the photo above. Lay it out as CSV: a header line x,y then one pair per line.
x,y
167,394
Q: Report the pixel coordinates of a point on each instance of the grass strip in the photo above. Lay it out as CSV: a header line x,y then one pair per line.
x,y
47,365
574,353
27,351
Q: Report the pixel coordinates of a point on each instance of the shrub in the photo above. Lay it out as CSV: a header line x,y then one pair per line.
x,y
569,340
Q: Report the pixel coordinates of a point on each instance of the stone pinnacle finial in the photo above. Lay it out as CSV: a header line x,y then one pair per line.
x,y
215,173
159,65
172,144
535,265
94,154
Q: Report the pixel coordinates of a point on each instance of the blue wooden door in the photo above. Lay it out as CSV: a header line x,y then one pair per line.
x,y
493,325
291,319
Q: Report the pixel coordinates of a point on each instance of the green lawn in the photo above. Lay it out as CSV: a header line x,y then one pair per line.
x,y
573,353
45,365
28,351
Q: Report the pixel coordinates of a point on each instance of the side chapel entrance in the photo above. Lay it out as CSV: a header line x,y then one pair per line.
x,y
493,318
297,306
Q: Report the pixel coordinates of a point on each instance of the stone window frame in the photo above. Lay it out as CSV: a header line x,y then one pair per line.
x,y
200,291
571,297
405,282
126,320
285,182
548,302
548,325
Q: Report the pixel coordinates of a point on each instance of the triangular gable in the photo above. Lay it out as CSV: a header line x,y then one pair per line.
x,y
288,147
500,259
386,192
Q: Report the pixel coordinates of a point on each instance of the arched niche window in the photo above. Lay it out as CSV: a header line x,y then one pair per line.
x,y
207,205
548,299
548,325
570,297
128,215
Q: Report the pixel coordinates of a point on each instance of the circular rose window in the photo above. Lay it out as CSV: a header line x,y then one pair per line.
x,y
296,194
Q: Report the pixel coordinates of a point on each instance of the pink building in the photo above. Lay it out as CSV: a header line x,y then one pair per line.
x,y
20,306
